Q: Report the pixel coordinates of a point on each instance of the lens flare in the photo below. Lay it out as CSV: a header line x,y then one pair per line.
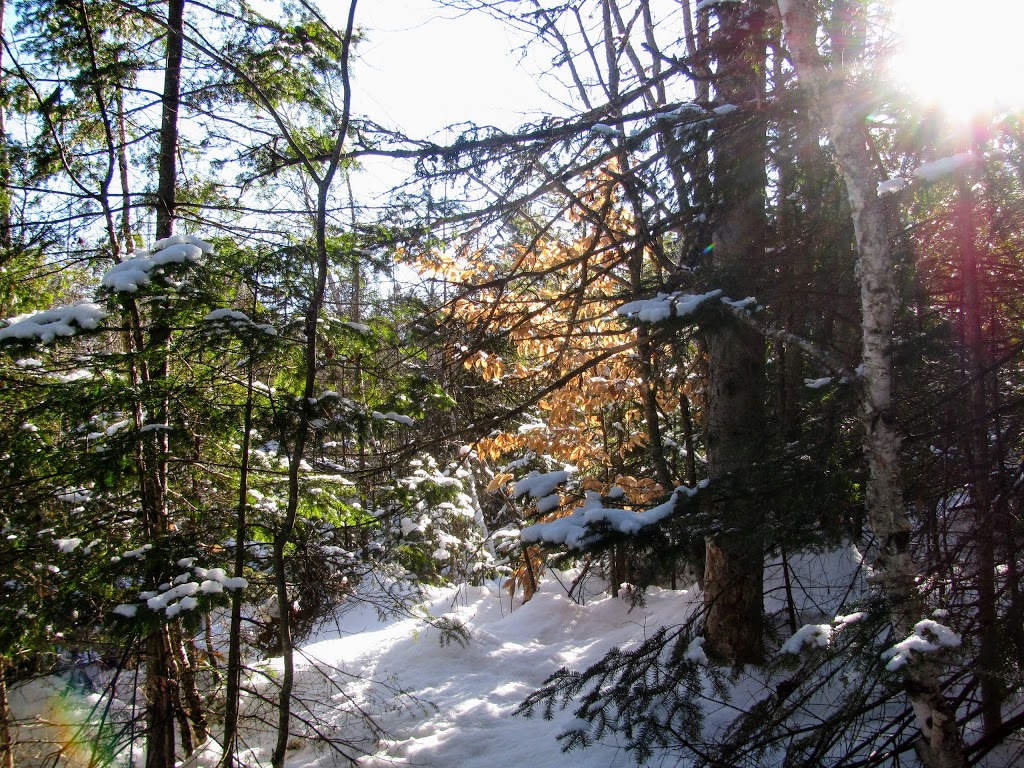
x,y
962,58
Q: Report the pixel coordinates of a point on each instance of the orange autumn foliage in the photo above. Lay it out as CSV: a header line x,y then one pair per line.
x,y
554,301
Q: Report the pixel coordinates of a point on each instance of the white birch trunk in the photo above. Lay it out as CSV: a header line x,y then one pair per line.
x,y
940,745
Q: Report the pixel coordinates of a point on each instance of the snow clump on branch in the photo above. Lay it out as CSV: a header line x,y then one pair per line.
x,y
126,277
392,416
136,272
182,594
819,635
943,167
47,325
538,485
704,5
928,636
239,321
575,530
665,306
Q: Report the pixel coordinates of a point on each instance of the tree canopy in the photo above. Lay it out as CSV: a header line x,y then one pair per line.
x,y
749,296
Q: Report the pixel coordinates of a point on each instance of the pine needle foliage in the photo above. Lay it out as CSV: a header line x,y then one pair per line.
x,y
649,695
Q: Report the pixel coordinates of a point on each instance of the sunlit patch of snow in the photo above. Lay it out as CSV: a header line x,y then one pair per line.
x,y
892,186
396,417
945,166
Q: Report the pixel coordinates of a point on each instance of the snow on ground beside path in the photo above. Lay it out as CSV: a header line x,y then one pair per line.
x,y
512,650
450,706
821,582
477,688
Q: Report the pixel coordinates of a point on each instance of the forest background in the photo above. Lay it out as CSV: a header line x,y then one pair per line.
x,y
746,296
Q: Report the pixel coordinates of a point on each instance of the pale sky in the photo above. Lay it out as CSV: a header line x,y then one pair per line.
x,y
420,68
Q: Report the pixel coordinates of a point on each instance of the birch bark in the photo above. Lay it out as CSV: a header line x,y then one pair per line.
x,y
843,118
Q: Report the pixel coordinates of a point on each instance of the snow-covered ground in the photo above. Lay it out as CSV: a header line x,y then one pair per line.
x,y
446,705
435,703
468,694
450,704
465,697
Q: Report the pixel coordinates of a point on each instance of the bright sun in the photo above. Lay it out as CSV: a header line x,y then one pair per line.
x,y
962,57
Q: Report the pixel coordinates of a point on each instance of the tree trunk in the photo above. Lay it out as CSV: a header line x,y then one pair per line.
x,y
234,678
187,668
734,560
980,465
282,536
6,237
123,172
160,697
160,656
167,181
940,745
6,741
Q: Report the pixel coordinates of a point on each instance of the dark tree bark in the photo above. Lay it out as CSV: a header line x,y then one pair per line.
x,y
6,237
170,102
160,698
733,571
980,465
162,688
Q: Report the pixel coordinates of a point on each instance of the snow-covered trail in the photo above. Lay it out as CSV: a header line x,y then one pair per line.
x,y
446,705
472,691
467,695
